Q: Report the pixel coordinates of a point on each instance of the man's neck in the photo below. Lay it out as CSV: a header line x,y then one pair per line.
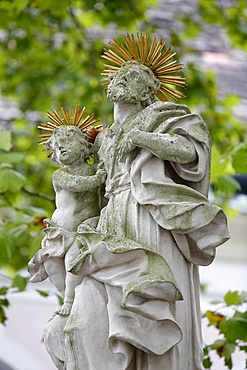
x,y
124,110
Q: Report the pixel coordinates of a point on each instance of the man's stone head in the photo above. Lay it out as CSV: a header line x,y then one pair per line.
x,y
133,83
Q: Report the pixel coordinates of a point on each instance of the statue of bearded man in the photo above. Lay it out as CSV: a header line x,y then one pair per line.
x,y
137,307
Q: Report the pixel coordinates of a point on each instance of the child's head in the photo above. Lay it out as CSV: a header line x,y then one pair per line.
x,y
68,144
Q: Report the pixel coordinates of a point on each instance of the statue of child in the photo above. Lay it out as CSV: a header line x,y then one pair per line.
x,y
76,185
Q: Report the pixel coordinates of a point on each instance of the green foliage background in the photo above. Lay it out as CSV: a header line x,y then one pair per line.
x,y
50,57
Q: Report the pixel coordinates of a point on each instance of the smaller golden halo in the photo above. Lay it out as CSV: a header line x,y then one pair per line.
x,y
68,120
156,57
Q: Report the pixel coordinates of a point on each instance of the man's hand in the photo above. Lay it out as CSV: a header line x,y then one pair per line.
x,y
127,144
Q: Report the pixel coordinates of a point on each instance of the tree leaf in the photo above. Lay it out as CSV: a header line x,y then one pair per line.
x,y
35,211
10,180
19,282
243,348
235,328
228,362
60,299
228,185
229,348
5,140
205,351
3,290
218,344
218,165
4,302
214,318
21,235
3,316
42,293
11,157
207,363
233,298
4,249
239,158
20,4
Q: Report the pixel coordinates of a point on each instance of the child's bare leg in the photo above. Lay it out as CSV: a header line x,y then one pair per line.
x,y
71,283
71,280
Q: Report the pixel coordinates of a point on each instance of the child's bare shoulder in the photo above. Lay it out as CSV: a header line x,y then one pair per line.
x,y
58,176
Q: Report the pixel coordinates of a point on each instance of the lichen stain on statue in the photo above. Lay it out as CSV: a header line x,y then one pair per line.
x,y
130,268
76,185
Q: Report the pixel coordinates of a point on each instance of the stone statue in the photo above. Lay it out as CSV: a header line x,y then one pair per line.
x,y
76,185
137,305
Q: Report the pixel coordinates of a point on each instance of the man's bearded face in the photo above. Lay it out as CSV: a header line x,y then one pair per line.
x,y
126,85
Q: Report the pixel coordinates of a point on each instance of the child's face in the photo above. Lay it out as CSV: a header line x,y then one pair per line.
x,y
66,145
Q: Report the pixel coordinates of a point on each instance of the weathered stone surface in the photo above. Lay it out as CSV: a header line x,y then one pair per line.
x,y
136,301
77,199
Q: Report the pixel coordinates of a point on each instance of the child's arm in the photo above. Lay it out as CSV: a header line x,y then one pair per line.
x,y
77,183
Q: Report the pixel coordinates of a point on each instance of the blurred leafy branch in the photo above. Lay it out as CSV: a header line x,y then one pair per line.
x,y
229,145
232,329
18,284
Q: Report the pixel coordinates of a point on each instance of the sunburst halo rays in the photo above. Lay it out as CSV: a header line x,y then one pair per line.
x,y
66,120
156,57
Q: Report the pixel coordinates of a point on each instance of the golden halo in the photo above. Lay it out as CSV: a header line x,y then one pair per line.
x,y
156,57
66,120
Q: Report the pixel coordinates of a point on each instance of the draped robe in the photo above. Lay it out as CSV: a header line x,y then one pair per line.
x,y
137,307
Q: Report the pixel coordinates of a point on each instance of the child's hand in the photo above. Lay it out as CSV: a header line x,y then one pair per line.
x,y
101,174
